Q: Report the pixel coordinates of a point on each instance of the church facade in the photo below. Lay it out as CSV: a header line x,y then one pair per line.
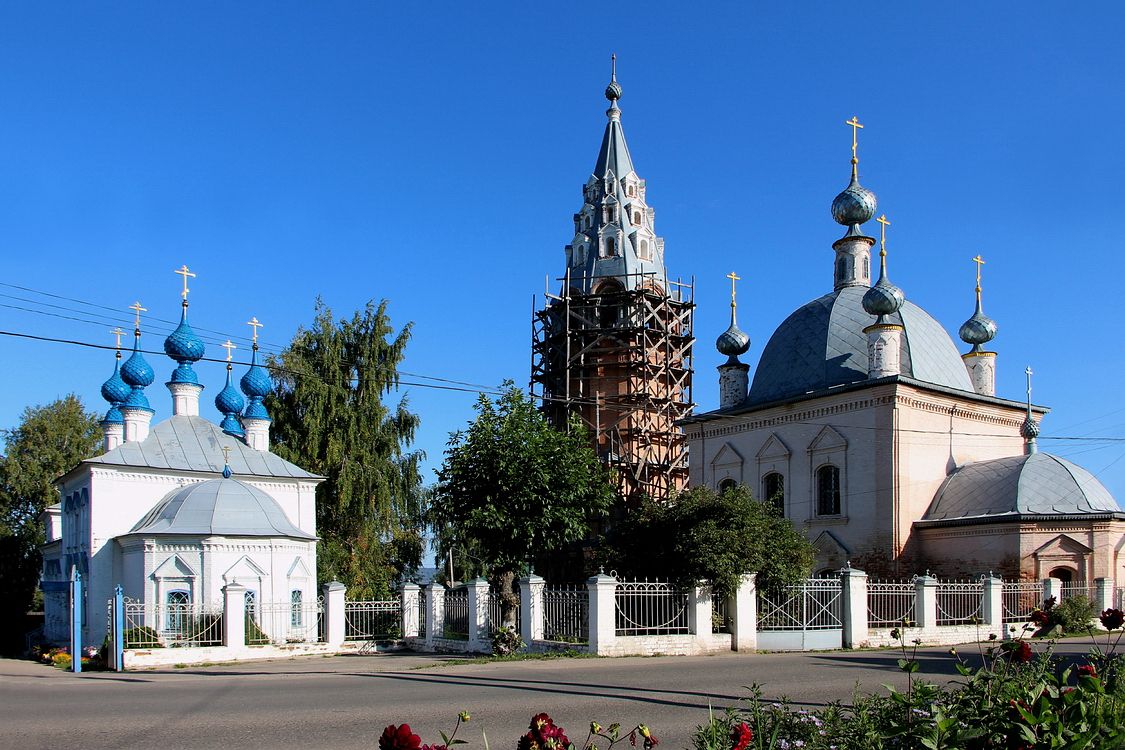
x,y
176,511
866,427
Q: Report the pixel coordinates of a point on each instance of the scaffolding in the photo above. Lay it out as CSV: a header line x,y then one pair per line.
x,y
620,359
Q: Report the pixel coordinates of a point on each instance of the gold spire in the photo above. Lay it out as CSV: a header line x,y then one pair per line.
x,y
856,127
253,323
183,271
136,307
230,347
980,262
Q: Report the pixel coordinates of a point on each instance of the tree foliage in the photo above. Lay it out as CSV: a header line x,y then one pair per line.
x,y
512,487
48,441
331,417
702,535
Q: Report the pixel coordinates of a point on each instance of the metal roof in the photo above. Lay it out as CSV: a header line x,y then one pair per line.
x,y
1037,485
183,443
225,507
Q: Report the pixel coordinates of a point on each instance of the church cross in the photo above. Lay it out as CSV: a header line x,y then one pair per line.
x,y
856,127
613,60
733,278
226,454
118,333
1029,373
136,307
253,323
883,234
183,271
980,262
230,347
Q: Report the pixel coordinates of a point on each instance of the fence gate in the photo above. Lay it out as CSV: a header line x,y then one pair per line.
x,y
805,617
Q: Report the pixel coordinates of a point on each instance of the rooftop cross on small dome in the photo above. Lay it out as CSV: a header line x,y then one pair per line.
x,y
980,262
733,278
136,307
226,462
183,271
1029,373
613,90
117,333
253,323
856,127
230,347
884,222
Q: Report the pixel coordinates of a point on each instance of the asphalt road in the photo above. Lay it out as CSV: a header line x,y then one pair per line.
x,y
346,701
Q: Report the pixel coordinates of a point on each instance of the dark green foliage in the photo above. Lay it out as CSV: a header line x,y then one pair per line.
x,y
49,441
1074,614
141,637
330,417
255,636
702,535
512,487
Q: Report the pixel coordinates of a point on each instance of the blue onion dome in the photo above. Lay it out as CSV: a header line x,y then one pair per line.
x,y
883,299
115,390
855,205
978,330
184,347
256,383
229,400
733,341
113,416
136,371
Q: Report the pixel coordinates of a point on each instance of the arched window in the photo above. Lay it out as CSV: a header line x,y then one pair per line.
x,y
841,269
296,609
828,490
251,600
179,604
773,491
727,484
637,218
644,249
867,268
610,247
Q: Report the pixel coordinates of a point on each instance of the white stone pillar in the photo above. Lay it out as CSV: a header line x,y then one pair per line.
x,y
257,433
743,615
410,624
234,615
699,612
1103,594
1052,587
925,601
884,349
531,608
856,627
855,270
992,605
136,424
734,383
114,435
981,367
479,631
435,613
185,399
334,604
602,590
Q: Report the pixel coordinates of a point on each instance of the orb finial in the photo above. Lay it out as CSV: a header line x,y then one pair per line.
x,y
734,340
613,90
856,204
1029,430
884,298
979,329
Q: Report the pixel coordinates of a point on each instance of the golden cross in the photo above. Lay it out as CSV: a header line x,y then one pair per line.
x,y
733,278
253,323
118,333
226,454
183,271
856,127
136,307
230,347
980,262
883,234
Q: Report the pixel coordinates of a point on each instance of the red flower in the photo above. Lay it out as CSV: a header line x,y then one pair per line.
x,y
741,736
1018,651
399,738
1112,619
1039,617
543,734
1087,670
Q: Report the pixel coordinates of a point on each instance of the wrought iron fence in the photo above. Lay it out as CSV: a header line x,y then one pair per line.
x,y
456,623
959,602
294,621
152,625
890,603
1119,597
496,611
422,608
720,614
651,608
814,604
1019,599
1078,588
566,614
372,620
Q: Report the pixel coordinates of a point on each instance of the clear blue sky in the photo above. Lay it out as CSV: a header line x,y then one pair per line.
x,y
433,154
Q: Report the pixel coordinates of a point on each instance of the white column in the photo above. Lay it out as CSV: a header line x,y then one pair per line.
x,y
1103,594
114,434
435,613
602,590
234,615
479,635
185,399
531,608
257,433
981,367
699,612
334,603
743,614
925,602
992,605
410,593
1052,587
856,627
136,424
734,383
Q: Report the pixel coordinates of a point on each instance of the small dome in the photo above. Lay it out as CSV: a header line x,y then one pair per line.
x,y
231,426
256,383
978,330
1029,430
136,371
883,299
733,341
219,506
613,91
115,390
229,400
182,344
855,205
113,416
1039,484
136,400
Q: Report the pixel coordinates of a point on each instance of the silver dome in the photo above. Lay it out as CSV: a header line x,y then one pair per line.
x,y
224,507
883,299
978,330
855,205
733,341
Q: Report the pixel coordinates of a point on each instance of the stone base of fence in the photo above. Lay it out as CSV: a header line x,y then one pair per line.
x,y
667,645
944,635
165,657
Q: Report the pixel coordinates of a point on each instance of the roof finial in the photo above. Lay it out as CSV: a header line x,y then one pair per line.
x,y
980,262
253,323
884,223
613,90
1029,430
230,347
734,340
979,329
136,307
117,333
1029,373
856,127
884,298
733,278
226,462
183,271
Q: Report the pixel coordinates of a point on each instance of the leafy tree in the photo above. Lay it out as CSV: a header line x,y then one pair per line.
x,y
49,441
702,535
512,488
331,417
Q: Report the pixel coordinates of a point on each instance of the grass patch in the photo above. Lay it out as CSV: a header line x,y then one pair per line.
x,y
179,666
545,656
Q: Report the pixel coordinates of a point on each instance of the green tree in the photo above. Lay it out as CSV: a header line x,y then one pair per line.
x,y
702,535
512,488
331,417
49,441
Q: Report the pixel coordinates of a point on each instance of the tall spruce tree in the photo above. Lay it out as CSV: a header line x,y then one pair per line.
x,y
330,416
48,441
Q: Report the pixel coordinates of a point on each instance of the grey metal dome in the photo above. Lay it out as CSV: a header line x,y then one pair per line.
x,y
978,330
1039,484
822,345
224,507
855,205
733,341
883,299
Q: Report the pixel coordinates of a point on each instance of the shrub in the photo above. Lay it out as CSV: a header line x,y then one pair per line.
x,y
506,641
254,634
142,637
1075,614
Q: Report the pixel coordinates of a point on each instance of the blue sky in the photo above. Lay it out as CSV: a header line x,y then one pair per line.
x,y
433,155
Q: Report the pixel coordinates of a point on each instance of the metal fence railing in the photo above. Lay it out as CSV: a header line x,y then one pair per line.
x,y
890,603
814,604
1019,599
651,608
1119,597
496,612
456,623
152,625
372,620
959,602
294,621
1078,588
566,614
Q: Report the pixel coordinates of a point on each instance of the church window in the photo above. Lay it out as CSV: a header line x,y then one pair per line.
x,y
841,269
727,484
828,490
773,491
867,268
251,600
644,249
296,608
179,604
637,217
610,247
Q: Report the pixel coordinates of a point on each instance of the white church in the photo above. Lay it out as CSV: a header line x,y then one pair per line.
x,y
175,511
